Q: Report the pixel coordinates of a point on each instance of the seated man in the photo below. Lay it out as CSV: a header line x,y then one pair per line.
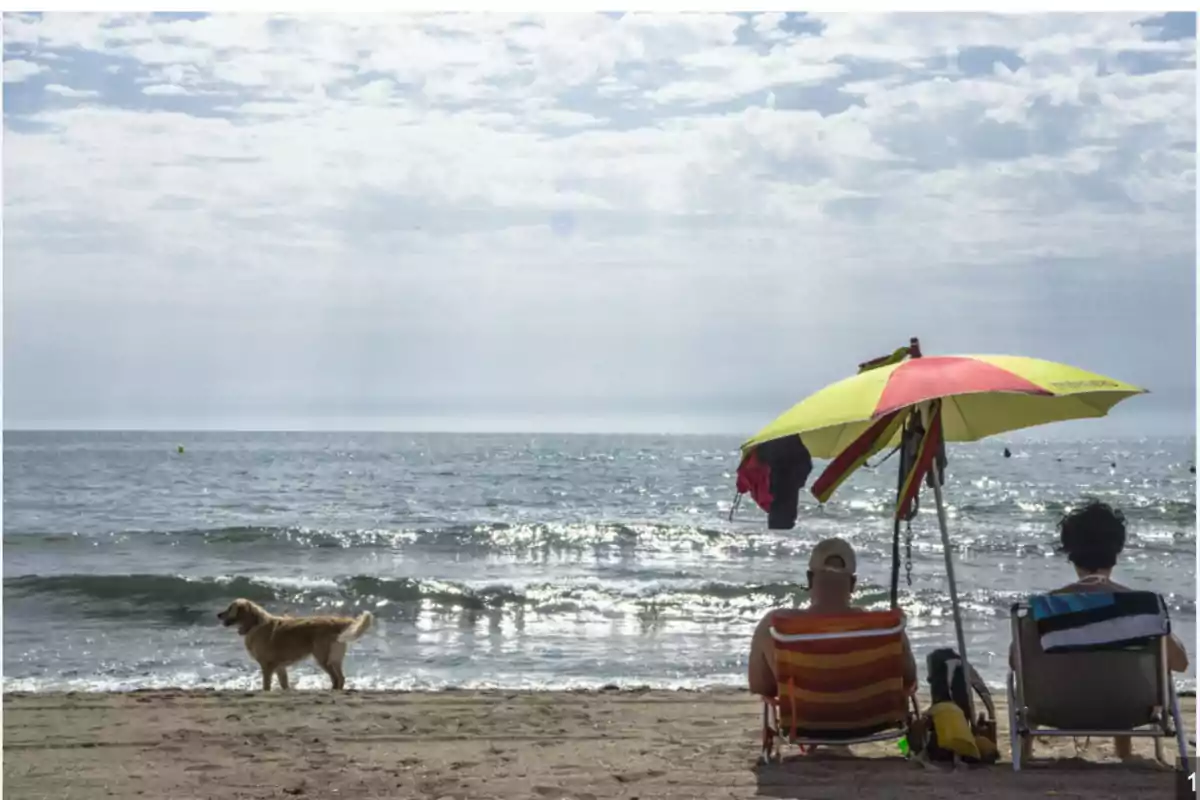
x,y
1092,536
831,581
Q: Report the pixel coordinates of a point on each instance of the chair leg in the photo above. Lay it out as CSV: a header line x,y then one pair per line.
x,y
771,750
1014,733
764,757
767,737
1180,731
911,735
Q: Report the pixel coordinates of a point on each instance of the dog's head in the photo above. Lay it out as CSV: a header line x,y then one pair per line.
x,y
242,613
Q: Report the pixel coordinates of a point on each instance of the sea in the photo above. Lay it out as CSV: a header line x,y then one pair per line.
x,y
519,561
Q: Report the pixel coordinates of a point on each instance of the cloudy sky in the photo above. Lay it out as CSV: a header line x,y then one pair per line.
x,y
605,222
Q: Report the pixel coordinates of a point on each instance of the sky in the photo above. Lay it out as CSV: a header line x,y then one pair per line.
x,y
609,222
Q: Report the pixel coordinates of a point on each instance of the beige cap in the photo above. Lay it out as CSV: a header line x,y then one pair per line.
x,y
829,549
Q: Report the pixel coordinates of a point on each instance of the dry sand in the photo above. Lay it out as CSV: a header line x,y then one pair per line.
x,y
189,744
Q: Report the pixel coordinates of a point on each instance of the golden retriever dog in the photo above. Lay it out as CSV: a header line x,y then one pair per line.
x,y
277,643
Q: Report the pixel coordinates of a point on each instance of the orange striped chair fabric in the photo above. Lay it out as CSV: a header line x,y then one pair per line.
x,y
840,688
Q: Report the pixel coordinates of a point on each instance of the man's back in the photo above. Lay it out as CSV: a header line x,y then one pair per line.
x,y
762,649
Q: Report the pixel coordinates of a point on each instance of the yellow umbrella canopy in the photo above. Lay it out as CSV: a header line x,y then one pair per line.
x,y
982,395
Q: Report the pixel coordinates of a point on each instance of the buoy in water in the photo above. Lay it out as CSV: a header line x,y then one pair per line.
x,y
179,449
1007,453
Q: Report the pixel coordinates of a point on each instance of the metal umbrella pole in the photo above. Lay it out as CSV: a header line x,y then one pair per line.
x,y
895,592
958,625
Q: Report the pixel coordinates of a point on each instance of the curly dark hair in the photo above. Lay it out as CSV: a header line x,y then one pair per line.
x,y
1092,535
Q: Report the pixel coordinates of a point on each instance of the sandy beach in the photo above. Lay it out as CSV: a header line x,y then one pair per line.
x,y
580,745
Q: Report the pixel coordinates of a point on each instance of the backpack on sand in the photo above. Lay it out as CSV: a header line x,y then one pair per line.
x,y
943,733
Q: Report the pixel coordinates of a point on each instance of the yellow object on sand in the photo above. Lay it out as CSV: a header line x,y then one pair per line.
x,y
982,396
953,732
988,752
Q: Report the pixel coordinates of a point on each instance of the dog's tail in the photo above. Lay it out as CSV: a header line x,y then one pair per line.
x,y
357,628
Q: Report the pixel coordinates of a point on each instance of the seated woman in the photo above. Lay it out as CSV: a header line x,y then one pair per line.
x,y
831,581
1092,536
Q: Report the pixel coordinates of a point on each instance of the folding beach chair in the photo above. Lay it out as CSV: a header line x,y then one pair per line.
x,y
1092,664
840,679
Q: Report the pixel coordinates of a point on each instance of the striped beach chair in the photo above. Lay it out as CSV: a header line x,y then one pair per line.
x,y
840,679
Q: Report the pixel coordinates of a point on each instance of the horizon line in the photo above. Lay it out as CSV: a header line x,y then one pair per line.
x,y
485,432
481,432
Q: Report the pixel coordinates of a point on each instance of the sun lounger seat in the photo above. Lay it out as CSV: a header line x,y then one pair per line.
x,y
840,679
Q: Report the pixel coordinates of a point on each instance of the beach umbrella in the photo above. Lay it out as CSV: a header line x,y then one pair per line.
x,y
917,403
984,396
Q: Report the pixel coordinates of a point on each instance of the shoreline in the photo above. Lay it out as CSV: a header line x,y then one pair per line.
x,y
500,744
251,685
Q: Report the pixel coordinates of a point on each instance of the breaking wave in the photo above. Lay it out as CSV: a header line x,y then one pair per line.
x,y
177,599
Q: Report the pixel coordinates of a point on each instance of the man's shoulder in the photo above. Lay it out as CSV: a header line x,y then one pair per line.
x,y
786,613
1080,588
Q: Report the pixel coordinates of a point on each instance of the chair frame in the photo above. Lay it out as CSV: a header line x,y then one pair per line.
x,y
771,730
1160,727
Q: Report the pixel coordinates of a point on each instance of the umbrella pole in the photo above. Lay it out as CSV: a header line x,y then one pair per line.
x,y
958,625
895,561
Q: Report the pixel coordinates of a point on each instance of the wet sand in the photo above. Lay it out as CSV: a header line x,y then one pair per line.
x,y
479,745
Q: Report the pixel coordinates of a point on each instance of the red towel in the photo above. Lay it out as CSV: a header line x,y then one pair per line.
x,y
754,476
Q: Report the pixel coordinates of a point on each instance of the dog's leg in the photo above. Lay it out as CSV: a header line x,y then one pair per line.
x,y
266,677
332,664
325,665
281,673
340,677
338,653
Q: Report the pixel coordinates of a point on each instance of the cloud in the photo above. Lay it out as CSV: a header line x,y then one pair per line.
x,y
164,90
17,70
430,207
67,91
